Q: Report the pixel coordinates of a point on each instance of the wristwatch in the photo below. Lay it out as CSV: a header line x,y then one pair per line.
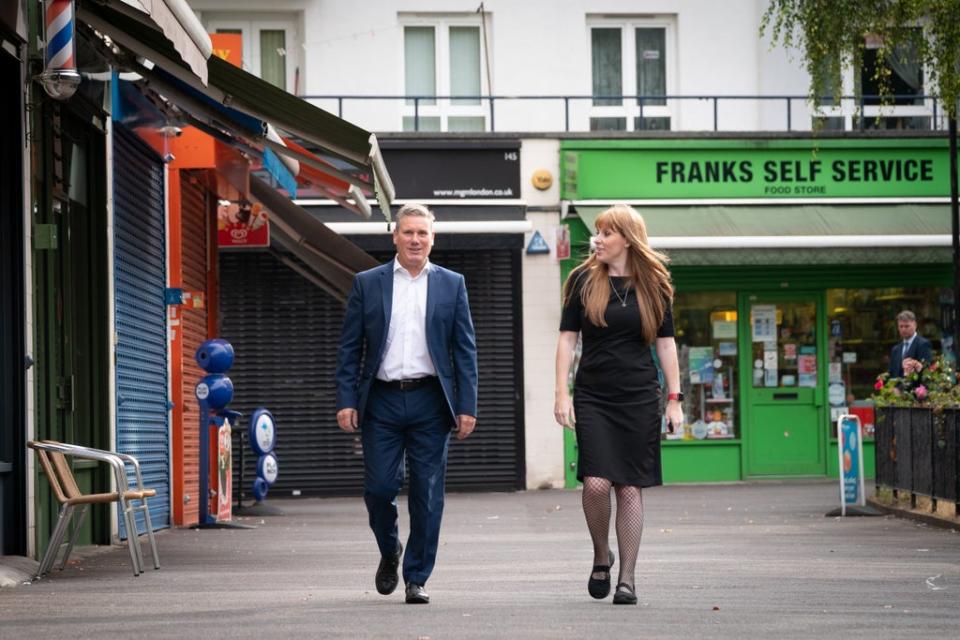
x,y
675,396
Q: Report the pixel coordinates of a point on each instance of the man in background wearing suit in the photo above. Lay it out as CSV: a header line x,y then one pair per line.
x,y
913,352
407,377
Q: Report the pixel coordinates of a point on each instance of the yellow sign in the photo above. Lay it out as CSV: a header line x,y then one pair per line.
x,y
542,179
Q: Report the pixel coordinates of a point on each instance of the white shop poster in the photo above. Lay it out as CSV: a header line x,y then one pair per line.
x,y
764,322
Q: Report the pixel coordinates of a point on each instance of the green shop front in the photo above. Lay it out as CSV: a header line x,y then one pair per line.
x,y
791,259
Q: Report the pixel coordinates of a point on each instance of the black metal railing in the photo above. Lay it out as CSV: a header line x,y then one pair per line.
x,y
848,105
918,452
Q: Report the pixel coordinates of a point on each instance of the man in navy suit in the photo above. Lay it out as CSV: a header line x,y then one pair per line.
x,y
913,352
407,377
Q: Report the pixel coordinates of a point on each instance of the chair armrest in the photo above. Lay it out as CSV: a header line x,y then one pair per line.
x,y
136,467
89,453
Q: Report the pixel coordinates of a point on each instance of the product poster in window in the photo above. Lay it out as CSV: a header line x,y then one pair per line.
x,y
764,322
701,365
242,226
807,370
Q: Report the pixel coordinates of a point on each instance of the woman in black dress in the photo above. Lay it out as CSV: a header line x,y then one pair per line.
x,y
620,301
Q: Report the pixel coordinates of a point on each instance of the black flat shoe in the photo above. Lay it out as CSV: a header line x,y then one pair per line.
x,y
599,588
387,578
624,594
416,594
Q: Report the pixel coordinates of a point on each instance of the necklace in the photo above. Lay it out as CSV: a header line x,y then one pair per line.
x,y
623,298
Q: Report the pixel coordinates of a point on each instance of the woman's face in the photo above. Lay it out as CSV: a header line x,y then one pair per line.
x,y
610,245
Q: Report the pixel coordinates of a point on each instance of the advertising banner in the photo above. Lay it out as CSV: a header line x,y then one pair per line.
x,y
224,473
242,226
850,448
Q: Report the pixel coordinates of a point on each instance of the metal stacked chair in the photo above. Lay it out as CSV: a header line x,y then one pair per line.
x,y
56,466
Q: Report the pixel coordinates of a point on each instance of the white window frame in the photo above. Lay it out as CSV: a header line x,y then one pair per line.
x,y
847,109
444,107
630,109
250,25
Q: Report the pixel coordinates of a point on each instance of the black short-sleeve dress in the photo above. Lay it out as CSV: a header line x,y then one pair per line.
x,y
616,395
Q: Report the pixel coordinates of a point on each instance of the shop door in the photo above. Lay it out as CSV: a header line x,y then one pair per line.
x,y
77,314
781,377
196,214
141,322
13,494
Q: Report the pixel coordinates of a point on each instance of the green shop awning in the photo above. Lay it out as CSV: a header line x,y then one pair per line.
x,y
809,234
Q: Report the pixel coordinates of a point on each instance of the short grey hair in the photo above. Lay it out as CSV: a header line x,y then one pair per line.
x,y
415,210
906,316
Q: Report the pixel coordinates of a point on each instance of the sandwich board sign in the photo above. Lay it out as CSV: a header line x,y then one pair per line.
x,y
850,450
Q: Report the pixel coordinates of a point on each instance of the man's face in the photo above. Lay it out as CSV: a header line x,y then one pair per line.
x,y
413,237
907,328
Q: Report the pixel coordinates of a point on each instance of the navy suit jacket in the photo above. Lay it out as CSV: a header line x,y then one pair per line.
x,y
920,349
450,338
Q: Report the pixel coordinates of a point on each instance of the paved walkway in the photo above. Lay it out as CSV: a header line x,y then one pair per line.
x,y
730,561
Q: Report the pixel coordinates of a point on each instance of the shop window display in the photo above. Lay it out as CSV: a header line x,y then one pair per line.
x,y
706,335
862,328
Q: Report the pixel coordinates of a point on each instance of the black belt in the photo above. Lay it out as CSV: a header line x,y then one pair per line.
x,y
408,384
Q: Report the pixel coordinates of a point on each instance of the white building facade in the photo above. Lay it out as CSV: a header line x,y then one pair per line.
x,y
543,71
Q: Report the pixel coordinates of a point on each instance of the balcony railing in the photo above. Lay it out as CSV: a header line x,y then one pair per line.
x,y
574,113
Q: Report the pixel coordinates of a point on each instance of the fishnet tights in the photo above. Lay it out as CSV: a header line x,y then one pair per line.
x,y
596,508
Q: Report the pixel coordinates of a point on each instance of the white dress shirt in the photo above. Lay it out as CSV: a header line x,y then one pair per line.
x,y
406,355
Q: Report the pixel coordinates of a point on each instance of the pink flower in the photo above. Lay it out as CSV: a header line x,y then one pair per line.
x,y
896,391
878,385
920,392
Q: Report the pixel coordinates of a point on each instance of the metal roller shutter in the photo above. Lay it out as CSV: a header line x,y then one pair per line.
x,y
195,208
139,278
285,333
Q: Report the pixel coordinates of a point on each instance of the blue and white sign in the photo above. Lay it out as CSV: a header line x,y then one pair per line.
x,y
263,432
263,438
850,449
267,468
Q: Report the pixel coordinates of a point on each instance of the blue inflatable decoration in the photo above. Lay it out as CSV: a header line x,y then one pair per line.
x,y
216,390
215,355
260,488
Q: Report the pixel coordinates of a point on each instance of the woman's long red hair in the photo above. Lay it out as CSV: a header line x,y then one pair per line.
x,y
648,274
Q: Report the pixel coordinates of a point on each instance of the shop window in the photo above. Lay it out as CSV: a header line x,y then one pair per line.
x,y
630,59
862,328
444,57
270,46
706,330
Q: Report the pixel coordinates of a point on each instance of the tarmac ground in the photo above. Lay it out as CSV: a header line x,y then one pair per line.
x,y
746,560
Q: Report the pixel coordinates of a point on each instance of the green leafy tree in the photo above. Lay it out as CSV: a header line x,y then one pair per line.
x,y
832,35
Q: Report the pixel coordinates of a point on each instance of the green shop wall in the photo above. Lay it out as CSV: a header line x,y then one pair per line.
x,y
579,248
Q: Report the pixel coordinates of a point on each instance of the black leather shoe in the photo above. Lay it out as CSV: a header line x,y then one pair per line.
x,y
625,594
387,578
599,588
416,594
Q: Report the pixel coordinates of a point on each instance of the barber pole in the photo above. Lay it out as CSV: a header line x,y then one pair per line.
x,y
60,77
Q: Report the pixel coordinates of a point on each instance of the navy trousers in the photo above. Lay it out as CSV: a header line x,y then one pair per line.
x,y
415,423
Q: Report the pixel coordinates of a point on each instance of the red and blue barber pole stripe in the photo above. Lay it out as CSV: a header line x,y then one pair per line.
x,y
60,77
